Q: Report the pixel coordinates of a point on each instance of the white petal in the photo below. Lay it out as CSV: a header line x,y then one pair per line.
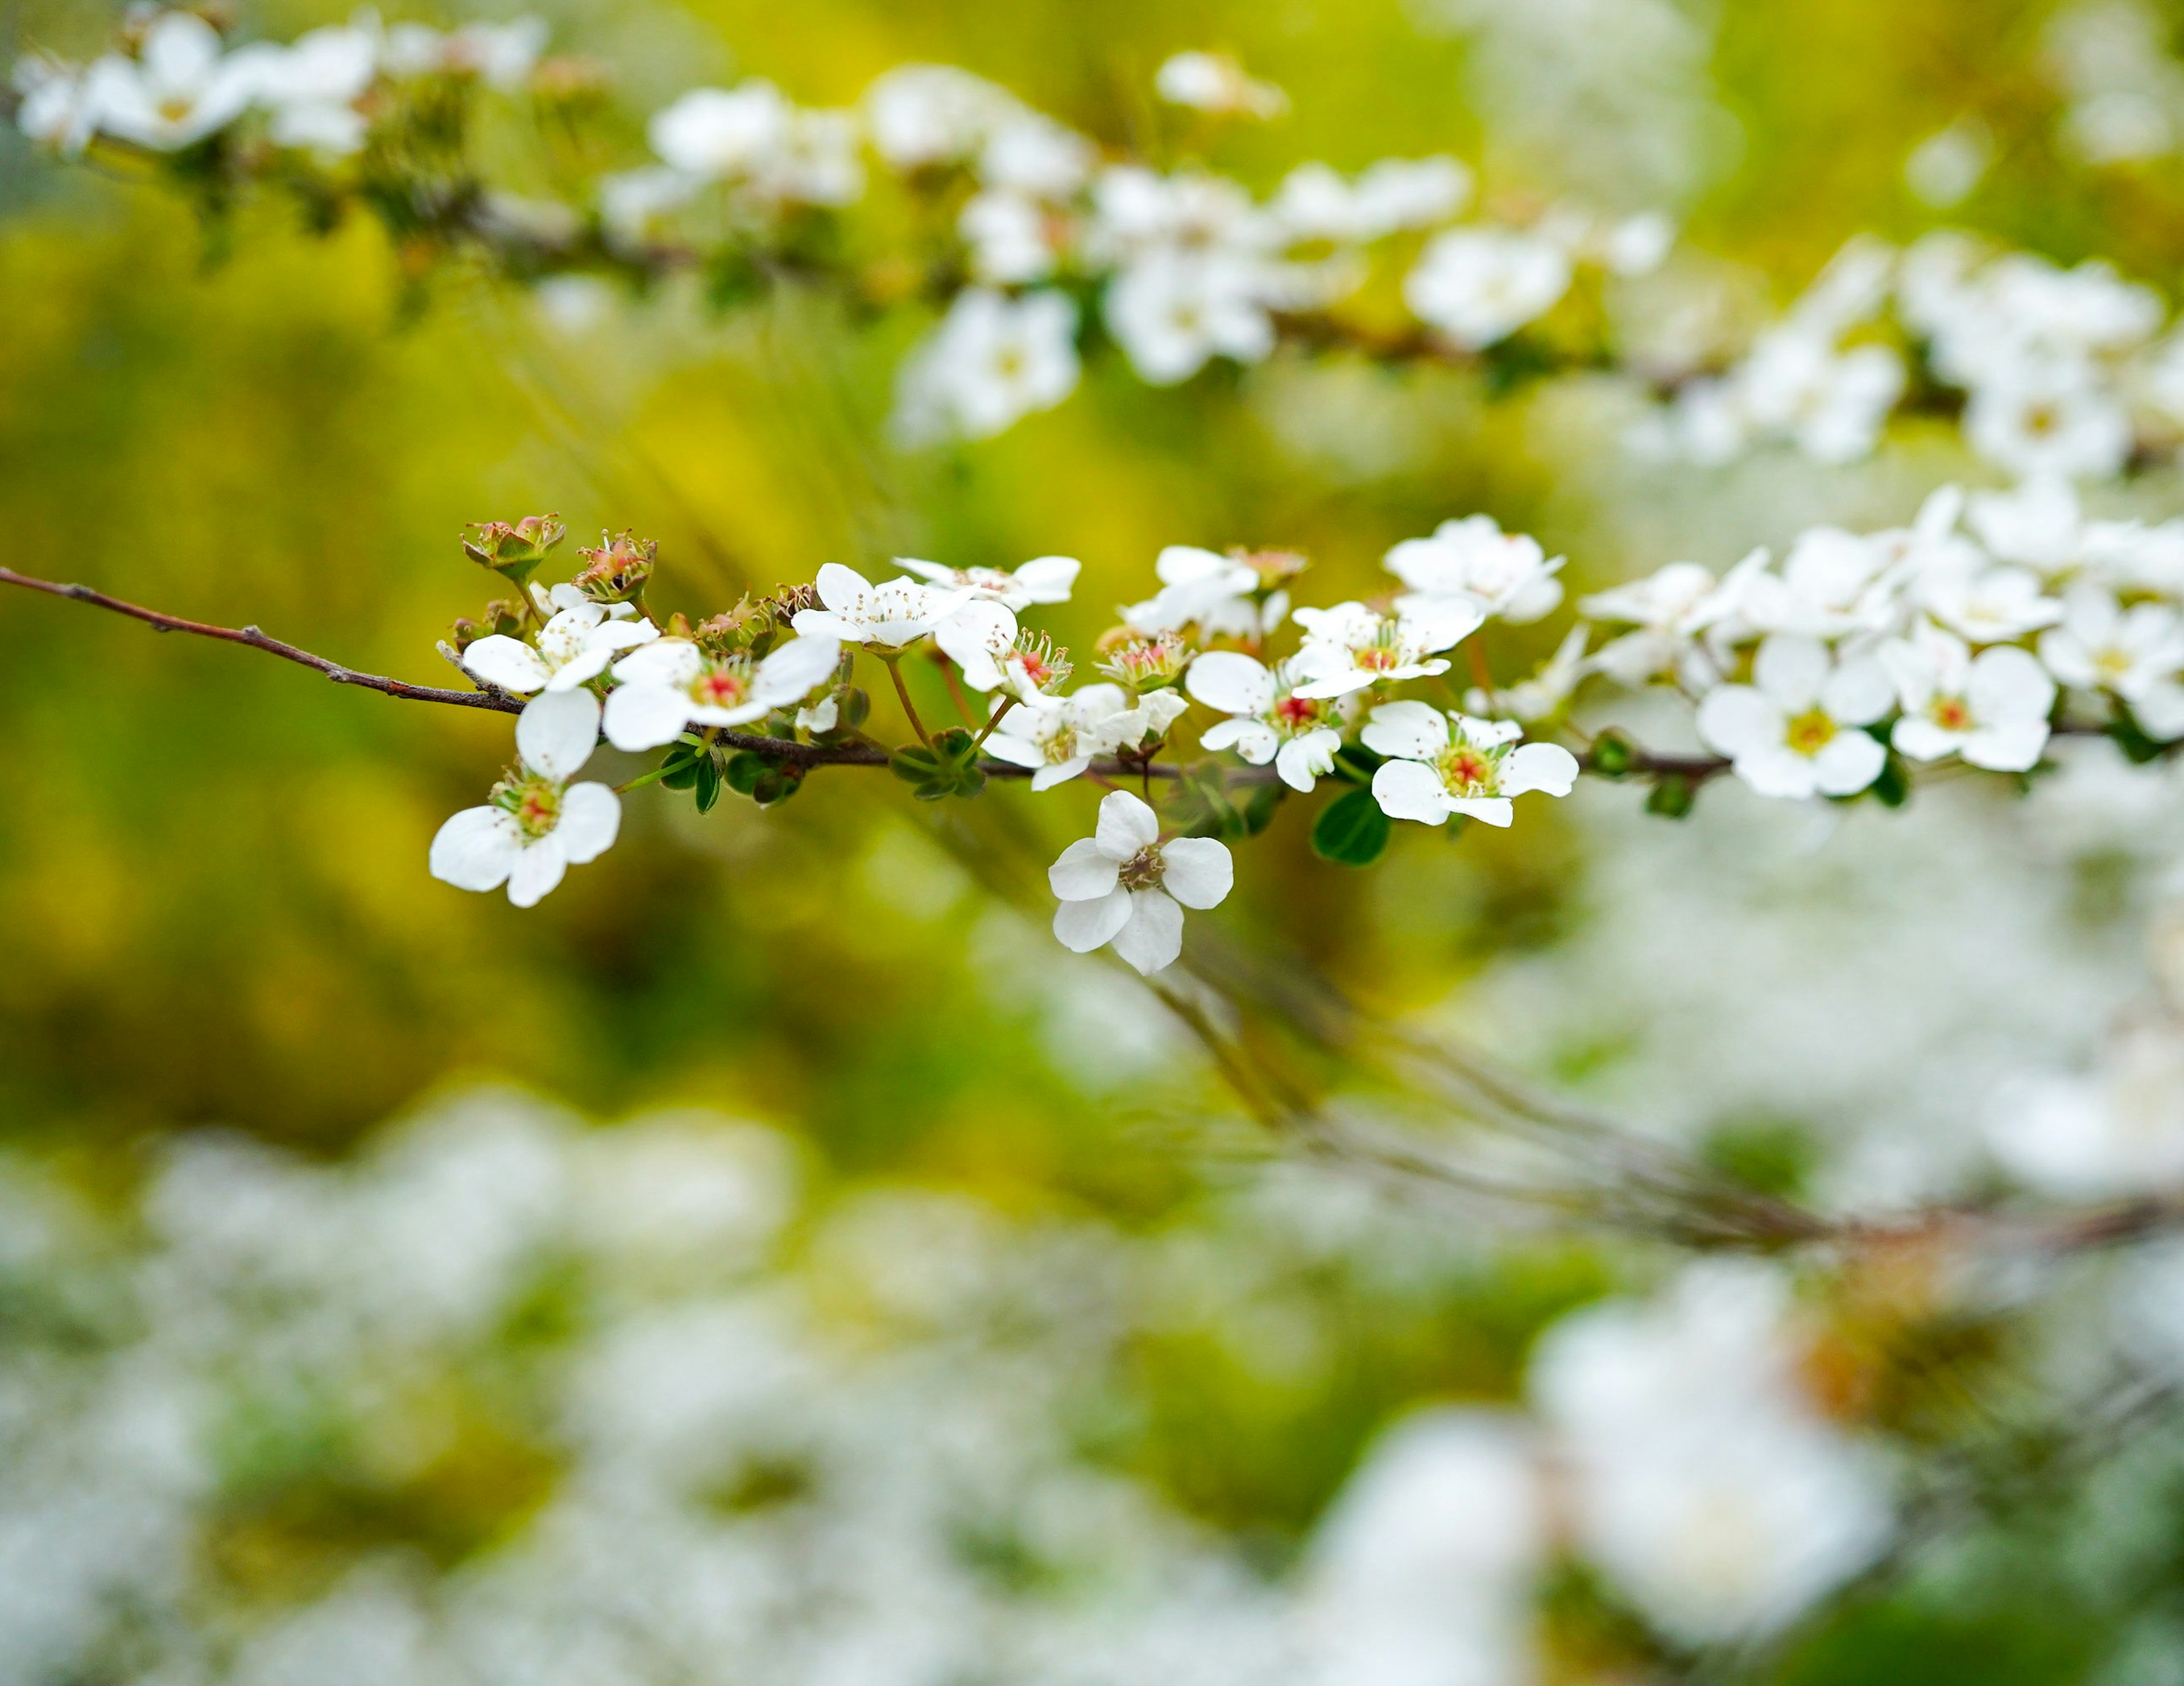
x,y
1546,767
1126,825
1085,925
973,636
1017,752
842,589
1049,579
476,849
591,817
538,868
1790,671
1776,769
508,663
1737,720
1153,937
2008,683
670,661
2012,746
1060,773
1253,739
1231,682
1414,731
1408,791
1303,759
1850,761
585,664
821,623
1490,811
557,731
1197,871
1857,692
792,671
644,717
1082,872
1922,740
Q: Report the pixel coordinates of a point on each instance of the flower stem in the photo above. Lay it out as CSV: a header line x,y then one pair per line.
x,y
1000,715
901,690
1481,674
955,690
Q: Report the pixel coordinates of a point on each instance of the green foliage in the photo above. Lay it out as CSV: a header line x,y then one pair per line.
x,y
1351,830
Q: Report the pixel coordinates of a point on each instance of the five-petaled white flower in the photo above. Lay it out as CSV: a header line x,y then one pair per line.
x,y
1479,286
1058,737
1268,721
1506,574
885,617
1795,730
1444,764
1122,885
1044,579
2135,652
177,90
1669,608
672,683
1205,588
1349,648
574,648
1990,708
992,361
537,825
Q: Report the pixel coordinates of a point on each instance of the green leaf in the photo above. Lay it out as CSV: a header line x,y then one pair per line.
x,y
1260,809
747,770
1354,762
2130,738
1892,789
1351,830
709,784
914,763
1671,796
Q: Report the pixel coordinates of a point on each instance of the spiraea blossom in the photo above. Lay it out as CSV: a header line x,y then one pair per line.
x,y
1350,647
1990,709
1447,764
572,648
1043,580
993,360
1797,729
2135,654
883,618
1123,886
1508,575
1221,596
1060,737
1479,286
537,824
672,684
1666,611
1268,721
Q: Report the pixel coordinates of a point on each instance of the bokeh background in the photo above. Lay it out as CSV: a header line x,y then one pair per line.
x,y
369,1251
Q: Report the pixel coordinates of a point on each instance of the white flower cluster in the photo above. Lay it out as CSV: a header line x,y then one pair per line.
x,y
179,86
2065,372
709,1425
1966,638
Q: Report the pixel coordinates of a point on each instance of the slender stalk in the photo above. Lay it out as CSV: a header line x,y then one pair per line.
x,y
955,690
894,672
1000,715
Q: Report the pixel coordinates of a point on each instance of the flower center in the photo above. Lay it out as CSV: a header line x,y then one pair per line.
x,y
536,806
1810,732
1297,713
1142,871
1950,714
720,687
1378,658
1062,746
1468,770
2112,663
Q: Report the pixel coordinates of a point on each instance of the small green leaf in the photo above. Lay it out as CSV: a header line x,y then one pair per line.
x,y
1892,789
746,769
1260,809
1611,754
1351,830
914,763
1354,762
2130,738
709,785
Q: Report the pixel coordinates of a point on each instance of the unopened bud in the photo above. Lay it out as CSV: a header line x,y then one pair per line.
x,y
1272,566
514,550
465,633
1611,754
619,569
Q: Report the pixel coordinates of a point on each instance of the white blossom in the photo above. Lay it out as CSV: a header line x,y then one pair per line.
x,y
1507,574
573,648
1349,646
1479,286
2117,1132
56,108
1991,710
1444,764
1172,311
1146,722
1059,737
887,617
721,132
923,114
1795,730
1010,237
537,825
2135,653
1316,202
312,86
1268,721
671,684
176,90
1831,402
1214,82
1035,156
1043,580
1667,610
993,360
1123,886
1209,590
2049,418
